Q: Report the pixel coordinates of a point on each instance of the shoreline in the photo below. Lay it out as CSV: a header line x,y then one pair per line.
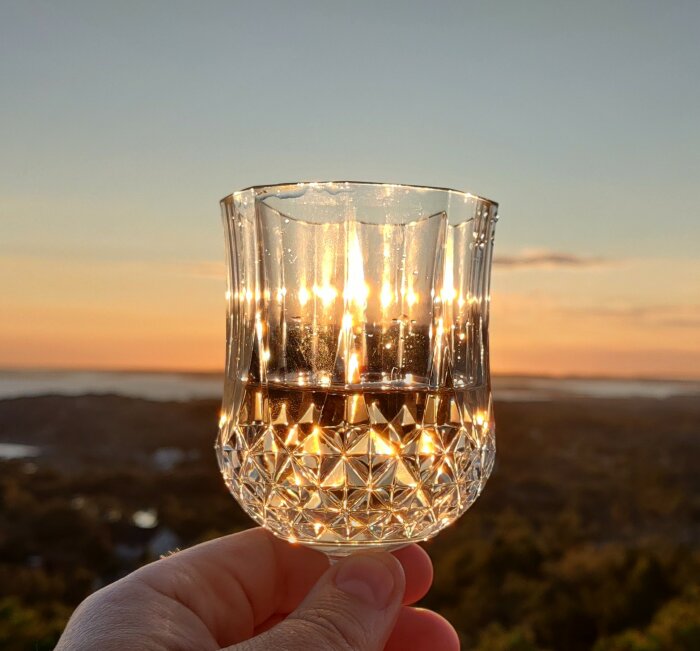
x,y
184,387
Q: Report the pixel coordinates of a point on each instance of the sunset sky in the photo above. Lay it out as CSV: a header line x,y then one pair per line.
x,y
123,124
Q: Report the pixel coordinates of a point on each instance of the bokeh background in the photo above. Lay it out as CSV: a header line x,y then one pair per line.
x,y
122,124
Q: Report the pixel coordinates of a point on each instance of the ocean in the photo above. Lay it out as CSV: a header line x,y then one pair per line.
x,y
195,386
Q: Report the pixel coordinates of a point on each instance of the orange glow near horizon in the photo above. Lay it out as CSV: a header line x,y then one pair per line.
x,y
149,316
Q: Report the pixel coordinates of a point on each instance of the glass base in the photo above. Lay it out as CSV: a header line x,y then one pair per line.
x,y
337,552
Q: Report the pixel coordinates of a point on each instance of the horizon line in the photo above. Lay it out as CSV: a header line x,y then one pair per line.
x,y
221,372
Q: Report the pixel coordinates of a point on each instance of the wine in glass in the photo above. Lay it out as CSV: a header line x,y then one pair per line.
x,y
357,407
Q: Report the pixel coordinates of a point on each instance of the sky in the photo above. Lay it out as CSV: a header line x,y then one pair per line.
x,y
123,124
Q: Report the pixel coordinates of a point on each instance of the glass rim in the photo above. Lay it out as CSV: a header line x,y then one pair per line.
x,y
272,188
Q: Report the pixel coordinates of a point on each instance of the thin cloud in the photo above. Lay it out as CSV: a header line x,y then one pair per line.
x,y
672,316
538,259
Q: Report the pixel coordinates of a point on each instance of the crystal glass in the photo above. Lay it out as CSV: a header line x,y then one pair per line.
x,y
357,405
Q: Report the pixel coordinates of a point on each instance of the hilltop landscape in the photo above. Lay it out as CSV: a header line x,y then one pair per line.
x,y
587,535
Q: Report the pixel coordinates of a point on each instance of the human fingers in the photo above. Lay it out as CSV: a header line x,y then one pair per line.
x,y
235,583
418,629
353,606
418,569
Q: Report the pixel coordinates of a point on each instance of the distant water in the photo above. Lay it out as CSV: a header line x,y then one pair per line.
x,y
543,389
18,451
191,386
151,386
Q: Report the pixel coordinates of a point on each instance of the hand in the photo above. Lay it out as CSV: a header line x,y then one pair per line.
x,y
253,592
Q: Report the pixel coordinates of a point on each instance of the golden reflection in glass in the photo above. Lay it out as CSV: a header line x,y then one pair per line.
x,y
357,407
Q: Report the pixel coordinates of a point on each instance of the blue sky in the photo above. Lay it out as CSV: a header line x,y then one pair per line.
x,y
122,124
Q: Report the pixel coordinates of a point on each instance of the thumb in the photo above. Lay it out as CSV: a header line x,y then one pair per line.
x,y
353,606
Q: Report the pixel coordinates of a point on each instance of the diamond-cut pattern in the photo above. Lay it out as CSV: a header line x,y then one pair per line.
x,y
358,468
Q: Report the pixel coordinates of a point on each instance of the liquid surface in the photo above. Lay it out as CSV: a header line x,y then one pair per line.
x,y
342,469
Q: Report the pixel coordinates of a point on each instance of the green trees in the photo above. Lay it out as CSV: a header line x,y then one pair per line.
x,y
23,627
585,539
507,584
675,627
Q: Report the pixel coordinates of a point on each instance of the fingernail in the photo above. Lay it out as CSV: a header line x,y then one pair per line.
x,y
367,579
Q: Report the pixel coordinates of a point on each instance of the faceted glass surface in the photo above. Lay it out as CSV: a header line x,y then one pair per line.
x,y
357,406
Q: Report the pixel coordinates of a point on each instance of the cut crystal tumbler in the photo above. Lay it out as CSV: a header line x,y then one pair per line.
x,y
357,405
